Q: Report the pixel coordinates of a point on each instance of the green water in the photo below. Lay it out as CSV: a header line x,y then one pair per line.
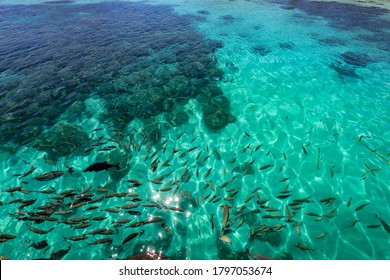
x,y
308,95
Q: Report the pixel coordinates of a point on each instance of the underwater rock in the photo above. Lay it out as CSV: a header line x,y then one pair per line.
x,y
227,19
216,44
177,118
74,112
217,113
133,80
261,50
59,2
168,104
203,12
287,45
332,41
344,71
61,140
355,59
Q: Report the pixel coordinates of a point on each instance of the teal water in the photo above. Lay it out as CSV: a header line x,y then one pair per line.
x,y
281,100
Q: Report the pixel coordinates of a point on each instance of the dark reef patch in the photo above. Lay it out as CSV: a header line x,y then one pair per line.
x,y
287,45
342,15
347,16
356,59
59,2
261,50
344,70
141,59
332,41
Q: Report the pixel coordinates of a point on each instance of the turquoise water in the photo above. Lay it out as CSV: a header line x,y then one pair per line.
x,y
289,100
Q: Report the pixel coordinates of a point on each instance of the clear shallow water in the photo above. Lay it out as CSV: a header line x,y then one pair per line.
x,y
308,94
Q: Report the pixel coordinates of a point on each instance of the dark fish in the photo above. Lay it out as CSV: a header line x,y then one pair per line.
x,y
14,189
77,237
100,166
39,231
385,225
7,236
51,175
101,241
28,172
266,166
88,150
167,229
59,254
147,256
373,226
217,154
129,238
361,206
39,245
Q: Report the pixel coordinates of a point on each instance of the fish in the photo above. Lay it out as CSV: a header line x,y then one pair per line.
x,y
248,198
134,181
212,222
100,166
321,235
147,256
7,236
331,214
167,229
225,215
273,216
225,239
122,221
373,226
312,214
40,244
284,179
258,256
319,158
39,231
165,189
176,208
136,224
153,220
288,213
51,175
303,247
353,223
360,207
129,238
156,182
101,241
97,231
77,237
349,202
211,185
14,189
385,225
82,225
304,150
28,172
266,166
283,196
51,190
208,172
328,199
302,200
59,254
